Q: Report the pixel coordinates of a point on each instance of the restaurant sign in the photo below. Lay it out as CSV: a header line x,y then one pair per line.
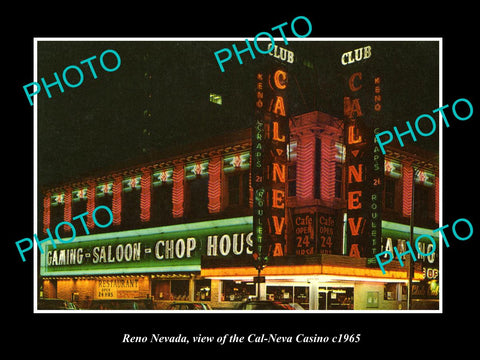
x,y
112,288
160,249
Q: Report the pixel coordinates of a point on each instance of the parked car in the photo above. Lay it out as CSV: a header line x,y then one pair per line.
x,y
187,305
296,306
55,304
263,305
122,304
287,306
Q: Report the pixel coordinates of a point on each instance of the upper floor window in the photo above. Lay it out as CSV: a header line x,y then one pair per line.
x,y
390,193
292,180
196,197
162,204
131,202
238,188
338,180
216,98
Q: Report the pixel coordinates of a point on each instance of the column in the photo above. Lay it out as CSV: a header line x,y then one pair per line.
x,y
191,289
313,295
214,184
178,191
67,212
407,180
145,195
46,211
263,291
117,200
327,178
90,202
216,290
305,167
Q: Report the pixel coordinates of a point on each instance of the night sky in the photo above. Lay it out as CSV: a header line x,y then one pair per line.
x,y
100,125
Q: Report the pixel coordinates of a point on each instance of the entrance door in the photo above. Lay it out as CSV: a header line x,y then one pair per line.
x,y
335,298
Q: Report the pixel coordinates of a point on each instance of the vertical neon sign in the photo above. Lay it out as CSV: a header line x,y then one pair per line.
x,y
260,256
356,141
277,164
377,174
269,158
364,163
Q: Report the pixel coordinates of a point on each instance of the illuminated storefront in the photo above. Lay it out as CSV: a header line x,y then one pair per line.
x,y
161,262
328,282
183,228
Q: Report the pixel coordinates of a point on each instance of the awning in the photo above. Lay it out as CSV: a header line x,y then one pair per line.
x,y
323,265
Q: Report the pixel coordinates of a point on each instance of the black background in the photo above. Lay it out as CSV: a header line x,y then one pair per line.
x,y
382,335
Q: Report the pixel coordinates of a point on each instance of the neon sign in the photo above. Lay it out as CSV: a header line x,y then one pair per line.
x,y
356,55
272,47
283,54
160,249
364,161
269,149
355,159
237,161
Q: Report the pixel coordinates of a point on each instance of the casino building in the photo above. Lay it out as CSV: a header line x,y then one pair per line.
x,y
183,228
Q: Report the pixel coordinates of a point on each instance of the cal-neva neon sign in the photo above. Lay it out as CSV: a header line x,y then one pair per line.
x,y
363,189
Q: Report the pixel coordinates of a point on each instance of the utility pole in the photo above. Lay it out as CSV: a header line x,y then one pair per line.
x,y
259,297
412,241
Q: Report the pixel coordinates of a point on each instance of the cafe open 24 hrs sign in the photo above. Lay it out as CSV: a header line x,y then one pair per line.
x,y
364,160
269,165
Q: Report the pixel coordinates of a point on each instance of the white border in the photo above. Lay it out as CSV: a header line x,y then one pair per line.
x,y
332,39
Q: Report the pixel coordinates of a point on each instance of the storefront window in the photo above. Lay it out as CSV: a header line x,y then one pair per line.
x,y
161,289
280,293
390,291
289,294
203,290
237,290
179,289
301,295
170,289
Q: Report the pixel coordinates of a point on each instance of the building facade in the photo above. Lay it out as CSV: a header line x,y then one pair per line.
x,y
182,228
